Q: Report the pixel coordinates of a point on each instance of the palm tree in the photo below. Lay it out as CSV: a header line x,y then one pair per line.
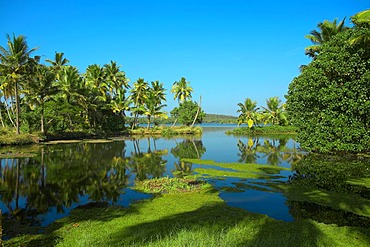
x,y
153,106
327,30
58,63
14,66
41,89
275,112
120,103
159,90
115,78
182,90
138,97
95,79
362,19
248,112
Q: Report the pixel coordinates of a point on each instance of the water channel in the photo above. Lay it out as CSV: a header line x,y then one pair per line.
x,y
60,177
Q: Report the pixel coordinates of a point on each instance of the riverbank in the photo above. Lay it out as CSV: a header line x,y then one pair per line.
x,y
10,138
264,130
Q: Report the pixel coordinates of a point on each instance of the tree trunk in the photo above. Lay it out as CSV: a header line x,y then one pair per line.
x,y
1,119
17,108
10,117
148,122
196,115
42,120
174,122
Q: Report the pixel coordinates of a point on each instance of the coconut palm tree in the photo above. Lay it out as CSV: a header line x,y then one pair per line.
x,y
153,106
275,112
115,78
41,89
14,67
181,90
248,112
138,97
362,19
327,30
58,63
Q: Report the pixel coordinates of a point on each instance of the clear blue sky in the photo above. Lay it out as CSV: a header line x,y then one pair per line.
x,y
228,49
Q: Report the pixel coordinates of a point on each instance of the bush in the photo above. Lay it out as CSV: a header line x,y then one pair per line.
x,y
330,101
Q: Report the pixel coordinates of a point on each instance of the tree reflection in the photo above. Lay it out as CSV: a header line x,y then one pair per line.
x,y
274,150
59,176
248,150
188,148
331,173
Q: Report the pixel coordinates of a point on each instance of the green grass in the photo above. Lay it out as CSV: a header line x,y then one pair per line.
x,y
167,131
264,130
360,181
21,139
198,218
182,215
238,170
170,185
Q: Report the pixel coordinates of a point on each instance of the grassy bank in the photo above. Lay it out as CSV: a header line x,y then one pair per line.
x,y
198,218
167,131
8,137
264,130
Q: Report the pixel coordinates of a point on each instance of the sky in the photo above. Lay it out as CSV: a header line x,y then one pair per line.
x,y
228,50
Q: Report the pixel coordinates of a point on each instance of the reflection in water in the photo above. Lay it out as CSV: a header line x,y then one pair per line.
x,y
36,191
188,148
274,151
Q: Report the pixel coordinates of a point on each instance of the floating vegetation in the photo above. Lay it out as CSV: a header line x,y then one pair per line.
x,y
170,185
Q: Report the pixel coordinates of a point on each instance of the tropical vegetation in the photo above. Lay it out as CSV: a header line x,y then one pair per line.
x,y
329,102
273,114
58,98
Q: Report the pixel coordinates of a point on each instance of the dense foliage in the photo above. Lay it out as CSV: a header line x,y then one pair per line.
x,y
274,113
35,97
330,100
188,113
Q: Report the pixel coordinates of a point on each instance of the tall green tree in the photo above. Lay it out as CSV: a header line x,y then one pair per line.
x,y
362,20
248,112
138,97
329,102
182,90
115,78
326,31
187,111
40,89
153,106
58,63
14,60
275,113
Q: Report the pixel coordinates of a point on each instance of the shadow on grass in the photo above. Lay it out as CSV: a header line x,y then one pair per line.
x,y
217,225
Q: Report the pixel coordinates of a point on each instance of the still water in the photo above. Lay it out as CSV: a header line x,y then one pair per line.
x,y
39,190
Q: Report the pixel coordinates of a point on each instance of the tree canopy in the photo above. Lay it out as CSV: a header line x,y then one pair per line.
x,y
330,100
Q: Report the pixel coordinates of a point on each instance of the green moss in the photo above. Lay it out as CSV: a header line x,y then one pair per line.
x,y
170,185
365,182
197,218
242,167
347,202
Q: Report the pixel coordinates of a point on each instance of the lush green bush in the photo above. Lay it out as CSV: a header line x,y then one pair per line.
x,y
330,100
186,113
